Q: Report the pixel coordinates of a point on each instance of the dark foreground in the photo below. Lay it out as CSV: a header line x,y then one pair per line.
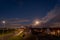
x,y
40,37
33,34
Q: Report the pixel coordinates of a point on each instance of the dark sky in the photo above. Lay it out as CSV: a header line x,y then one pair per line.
x,y
25,8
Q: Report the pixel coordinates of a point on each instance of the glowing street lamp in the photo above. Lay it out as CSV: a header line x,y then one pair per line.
x,y
3,22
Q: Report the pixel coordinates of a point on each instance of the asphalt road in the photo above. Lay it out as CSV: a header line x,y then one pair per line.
x,y
14,34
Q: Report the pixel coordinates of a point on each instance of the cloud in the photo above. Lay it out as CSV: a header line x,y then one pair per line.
x,y
18,20
21,21
14,22
53,13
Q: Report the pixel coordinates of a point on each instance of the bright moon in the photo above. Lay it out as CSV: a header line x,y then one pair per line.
x,y
37,22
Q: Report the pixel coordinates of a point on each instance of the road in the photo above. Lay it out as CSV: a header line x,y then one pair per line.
x,y
6,37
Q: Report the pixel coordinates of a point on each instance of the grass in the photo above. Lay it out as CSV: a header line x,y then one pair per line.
x,y
5,33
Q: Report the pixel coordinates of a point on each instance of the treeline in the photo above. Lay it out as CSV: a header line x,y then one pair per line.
x,y
6,31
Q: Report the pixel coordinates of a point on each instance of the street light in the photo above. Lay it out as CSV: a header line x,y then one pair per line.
x,y
4,26
3,22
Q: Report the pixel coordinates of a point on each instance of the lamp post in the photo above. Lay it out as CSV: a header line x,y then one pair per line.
x,y
4,23
3,27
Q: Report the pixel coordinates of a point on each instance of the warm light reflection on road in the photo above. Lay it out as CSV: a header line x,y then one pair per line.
x,y
19,33
53,33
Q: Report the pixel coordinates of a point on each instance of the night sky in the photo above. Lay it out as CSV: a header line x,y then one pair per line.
x,y
26,8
